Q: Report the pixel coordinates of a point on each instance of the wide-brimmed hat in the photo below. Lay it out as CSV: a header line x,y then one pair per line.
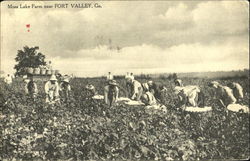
x,y
213,83
113,82
89,86
150,82
178,81
53,77
66,80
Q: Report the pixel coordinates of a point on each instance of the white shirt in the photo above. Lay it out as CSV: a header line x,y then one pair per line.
x,y
110,77
137,88
8,79
54,88
151,98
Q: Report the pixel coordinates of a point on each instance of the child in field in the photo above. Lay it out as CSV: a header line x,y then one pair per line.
x,y
65,89
223,94
52,89
31,88
111,92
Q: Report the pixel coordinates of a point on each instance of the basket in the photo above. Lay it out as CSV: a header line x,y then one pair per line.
x,y
30,70
43,71
48,72
36,70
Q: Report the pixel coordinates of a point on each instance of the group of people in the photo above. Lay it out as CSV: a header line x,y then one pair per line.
x,y
150,93
52,88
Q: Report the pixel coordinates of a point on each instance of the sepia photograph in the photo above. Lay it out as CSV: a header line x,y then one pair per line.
x,y
124,80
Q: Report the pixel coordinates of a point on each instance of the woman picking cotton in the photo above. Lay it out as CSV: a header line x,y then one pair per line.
x,y
188,95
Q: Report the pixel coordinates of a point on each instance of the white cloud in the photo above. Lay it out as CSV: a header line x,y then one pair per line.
x,y
154,36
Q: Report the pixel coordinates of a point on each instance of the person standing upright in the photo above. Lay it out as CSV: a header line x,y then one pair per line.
x,y
109,76
8,79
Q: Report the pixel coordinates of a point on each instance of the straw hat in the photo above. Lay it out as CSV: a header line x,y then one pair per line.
x,y
66,80
53,77
178,81
213,84
150,82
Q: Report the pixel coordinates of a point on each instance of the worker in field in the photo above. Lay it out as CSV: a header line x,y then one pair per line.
x,y
65,89
111,92
148,98
8,79
110,76
237,90
156,89
91,91
31,87
189,95
223,93
137,88
52,90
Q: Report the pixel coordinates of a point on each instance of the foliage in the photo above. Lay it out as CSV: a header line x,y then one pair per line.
x,y
28,57
86,129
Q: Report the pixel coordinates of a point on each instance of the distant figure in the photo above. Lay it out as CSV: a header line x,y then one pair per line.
x,y
127,75
91,91
237,90
137,88
65,89
52,89
49,66
31,88
110,76
223,94
148,99
132,75
8,79
111,92
189,95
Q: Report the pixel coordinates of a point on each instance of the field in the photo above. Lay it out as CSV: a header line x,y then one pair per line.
x,y
86,129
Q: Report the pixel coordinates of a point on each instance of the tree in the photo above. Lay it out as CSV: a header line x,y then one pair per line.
x,y
28,57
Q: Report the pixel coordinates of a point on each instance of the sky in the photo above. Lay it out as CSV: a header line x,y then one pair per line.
x,y
139,37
